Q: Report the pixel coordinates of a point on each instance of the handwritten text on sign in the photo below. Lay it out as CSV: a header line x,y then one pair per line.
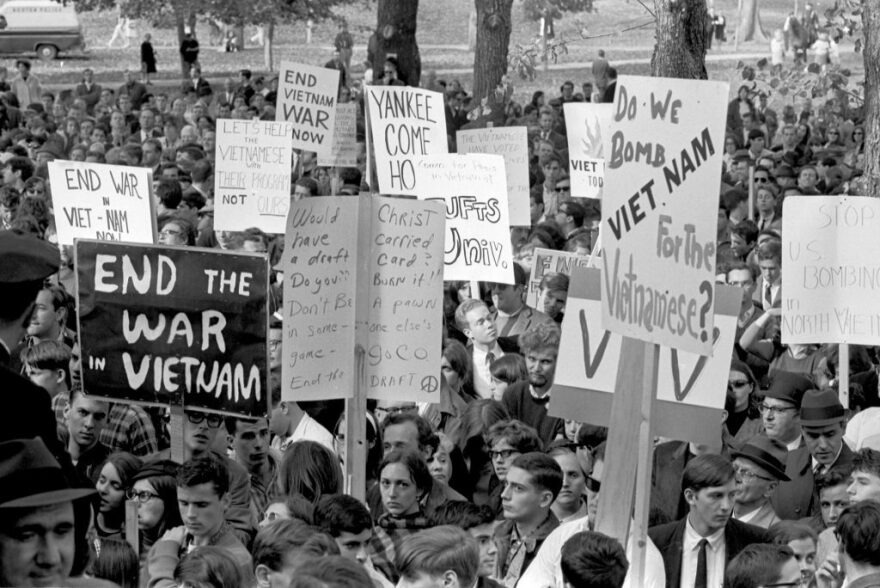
x,y
512,144
474,189
104,202
406,300
319,314
307,99
548,261
252,180
345,148
586,124
168,324
662,167
829,286
407,124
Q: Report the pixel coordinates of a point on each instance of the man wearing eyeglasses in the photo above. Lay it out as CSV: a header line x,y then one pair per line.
x,y
779,409
759,466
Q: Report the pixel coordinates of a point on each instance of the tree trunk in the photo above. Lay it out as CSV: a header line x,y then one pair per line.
x,y
493,41
680,51
871,53
268,38
750,28
396,33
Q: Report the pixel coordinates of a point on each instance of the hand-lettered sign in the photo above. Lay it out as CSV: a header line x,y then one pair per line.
x,y
551,261
586,123
660,210
345,148
161,325
307,100
104,202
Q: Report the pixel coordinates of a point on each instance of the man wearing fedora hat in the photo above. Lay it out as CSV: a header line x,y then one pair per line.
x,y
759,467
822,427
780,408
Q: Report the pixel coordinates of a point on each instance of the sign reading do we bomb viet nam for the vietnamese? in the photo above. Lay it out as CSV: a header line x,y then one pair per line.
x,y
307,100
104,202
474,189
406,124
662,171
162,325
829,286
252,179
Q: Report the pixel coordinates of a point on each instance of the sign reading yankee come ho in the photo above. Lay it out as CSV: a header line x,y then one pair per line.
x,y
167,325
662,169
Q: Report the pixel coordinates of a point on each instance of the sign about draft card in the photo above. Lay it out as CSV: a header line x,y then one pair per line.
x,y
307,100
586,124
511,143
345,149
104,202
406,124
252,180
830,282
660,212
164,325
405,300
690,387
546,261
477,227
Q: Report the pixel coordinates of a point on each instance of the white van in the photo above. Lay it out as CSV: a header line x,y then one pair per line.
x,y
44,27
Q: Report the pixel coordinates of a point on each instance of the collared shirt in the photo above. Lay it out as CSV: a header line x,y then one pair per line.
x,y
130,429
482,376
715,557
821,468
263,494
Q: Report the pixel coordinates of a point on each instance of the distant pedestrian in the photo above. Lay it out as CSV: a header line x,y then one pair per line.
x,y
148,59
720,22
344,44
189,50
600,73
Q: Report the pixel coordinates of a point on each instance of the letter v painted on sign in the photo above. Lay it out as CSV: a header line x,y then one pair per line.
x,y
592,364
698,369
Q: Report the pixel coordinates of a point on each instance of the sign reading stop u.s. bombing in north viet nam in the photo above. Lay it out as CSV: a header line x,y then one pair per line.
x,y
662,173
307,100
179,325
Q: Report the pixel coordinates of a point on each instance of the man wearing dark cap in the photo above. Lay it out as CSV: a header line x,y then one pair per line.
x,y
779,409
511,315
759,467
822,425
785,176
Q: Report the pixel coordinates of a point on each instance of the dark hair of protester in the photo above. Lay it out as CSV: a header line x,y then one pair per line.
x,y
169,194
277,542
48,355
22,164
857,532
542,237
209,567
757,565
747,229
859,360
187,229
837,475
435,551
333,571
340,513
412,461
116,561
540,337
193,199
204,470
427,437
784,532
311,470
459,513
706,471
510,368
374,443
459,360
520,436
544,471
593,560
160,475
770,250
309,184
867,460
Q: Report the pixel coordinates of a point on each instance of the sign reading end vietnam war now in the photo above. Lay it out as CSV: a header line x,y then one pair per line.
x,y
662,171
163,325
307,100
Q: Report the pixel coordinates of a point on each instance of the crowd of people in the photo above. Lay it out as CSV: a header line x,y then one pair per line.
x,y
481,488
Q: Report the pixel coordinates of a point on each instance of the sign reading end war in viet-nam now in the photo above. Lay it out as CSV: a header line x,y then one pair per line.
x,y
165,325
477,226
104,202
252,179
662,172
307,99
406,124
586,124
831,277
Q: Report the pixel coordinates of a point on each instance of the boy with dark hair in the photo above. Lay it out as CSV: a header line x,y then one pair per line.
x,y
281,547
443,555
47,364
593,560
833,496
859,552
508,440
479,522
763,565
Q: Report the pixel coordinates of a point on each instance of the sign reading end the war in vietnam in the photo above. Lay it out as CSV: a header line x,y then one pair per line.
x,y
165,325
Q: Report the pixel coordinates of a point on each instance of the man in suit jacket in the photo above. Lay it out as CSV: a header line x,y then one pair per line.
x,y
511,315
546,120
759,466
88,90
608,94
697,548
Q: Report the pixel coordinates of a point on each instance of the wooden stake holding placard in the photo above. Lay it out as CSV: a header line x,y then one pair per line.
x,y
751,193
131,525
843,374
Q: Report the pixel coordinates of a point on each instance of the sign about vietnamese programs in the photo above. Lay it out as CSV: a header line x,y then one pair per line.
x,y
691,388
547,261
103,202
307,100
252,179
344,151
830,282
660,211
406,124
474,189
511,143
171,325
586,124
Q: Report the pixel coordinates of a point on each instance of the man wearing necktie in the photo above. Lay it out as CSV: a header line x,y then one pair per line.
x,y
768,294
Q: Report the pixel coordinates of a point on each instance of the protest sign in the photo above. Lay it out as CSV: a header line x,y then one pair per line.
x,y
474,189
307,100
104,202
660,211
547,261
691,388
586,125
252,179
174,325
511,143
344,151
829,286
406,124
